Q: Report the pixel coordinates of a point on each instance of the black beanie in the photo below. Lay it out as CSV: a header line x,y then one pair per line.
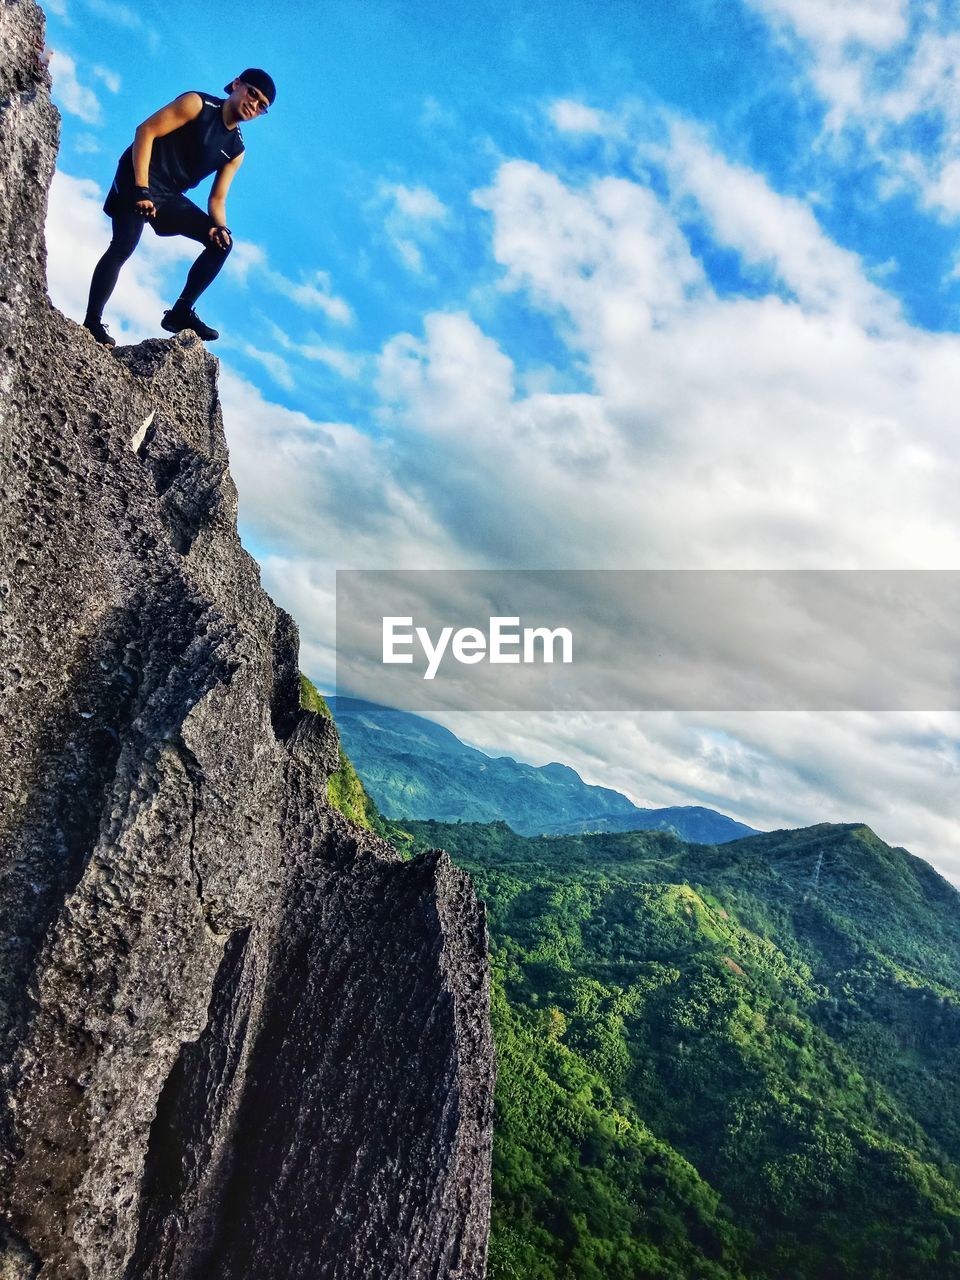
x,y
259,80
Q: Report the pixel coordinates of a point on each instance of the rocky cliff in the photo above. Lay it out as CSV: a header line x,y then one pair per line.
x,y
240,1037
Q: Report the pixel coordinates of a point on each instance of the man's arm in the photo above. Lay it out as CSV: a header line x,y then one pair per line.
x,y
217,202
173,116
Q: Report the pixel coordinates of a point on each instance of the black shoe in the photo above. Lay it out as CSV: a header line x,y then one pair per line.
x,y
99,330
179,318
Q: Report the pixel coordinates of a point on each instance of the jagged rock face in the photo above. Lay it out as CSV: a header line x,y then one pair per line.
x,y
240,1037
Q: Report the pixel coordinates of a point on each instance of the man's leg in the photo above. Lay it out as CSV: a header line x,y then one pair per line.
x,y
202,274
182,217
127,230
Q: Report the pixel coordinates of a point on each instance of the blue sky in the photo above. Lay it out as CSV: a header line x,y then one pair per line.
x,y
607,285
427,95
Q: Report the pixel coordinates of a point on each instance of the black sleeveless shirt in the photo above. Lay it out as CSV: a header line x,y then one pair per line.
x,y
184,157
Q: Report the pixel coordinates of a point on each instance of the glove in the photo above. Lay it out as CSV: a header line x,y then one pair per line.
x,y
222,237
142,197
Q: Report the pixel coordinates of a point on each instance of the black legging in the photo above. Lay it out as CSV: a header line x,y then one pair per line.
x,y
176,216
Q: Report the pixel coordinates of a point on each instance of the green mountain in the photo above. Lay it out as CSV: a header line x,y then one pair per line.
x,y
414,768
720,1062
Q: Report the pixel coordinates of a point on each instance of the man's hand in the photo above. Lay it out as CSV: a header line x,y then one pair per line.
x,y
143,204
221,237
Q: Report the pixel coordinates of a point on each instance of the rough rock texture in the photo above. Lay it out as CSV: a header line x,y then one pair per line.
x,y
239,1036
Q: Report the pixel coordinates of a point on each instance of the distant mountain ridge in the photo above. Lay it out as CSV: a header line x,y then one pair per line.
x,y
416,769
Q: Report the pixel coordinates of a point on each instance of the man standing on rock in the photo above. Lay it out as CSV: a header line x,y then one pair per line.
x,y
177,147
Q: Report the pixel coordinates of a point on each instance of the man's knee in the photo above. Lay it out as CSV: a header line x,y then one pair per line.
x,y
211,236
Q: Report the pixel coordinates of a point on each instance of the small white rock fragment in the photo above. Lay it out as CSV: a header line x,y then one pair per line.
x,y
136,440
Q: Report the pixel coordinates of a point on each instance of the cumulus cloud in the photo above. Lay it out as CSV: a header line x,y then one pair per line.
x,y
883,68
79,99
774,231
746,424
610,255
325,492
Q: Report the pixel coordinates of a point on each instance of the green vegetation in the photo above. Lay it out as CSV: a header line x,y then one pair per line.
x,y
344,790
732,1062
720,1061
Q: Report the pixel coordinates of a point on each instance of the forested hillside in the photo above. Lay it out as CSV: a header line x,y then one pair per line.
x,y
718,1062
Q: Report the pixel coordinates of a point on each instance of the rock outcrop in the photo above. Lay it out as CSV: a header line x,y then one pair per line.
x,y
240,1037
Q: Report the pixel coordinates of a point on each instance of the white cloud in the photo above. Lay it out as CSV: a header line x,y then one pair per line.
x,y
245,258
410,254
774,231
722,432
69,93
312,291
455,376
943,191
107,77
278,369
419,203
412,213
882,67
120,15
345,363
928,80
610,255
878,24
574,117
325,491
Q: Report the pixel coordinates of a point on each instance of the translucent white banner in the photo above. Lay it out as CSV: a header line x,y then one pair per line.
x,y
624,640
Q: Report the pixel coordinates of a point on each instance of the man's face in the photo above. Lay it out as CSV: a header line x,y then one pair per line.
x,y
248,101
